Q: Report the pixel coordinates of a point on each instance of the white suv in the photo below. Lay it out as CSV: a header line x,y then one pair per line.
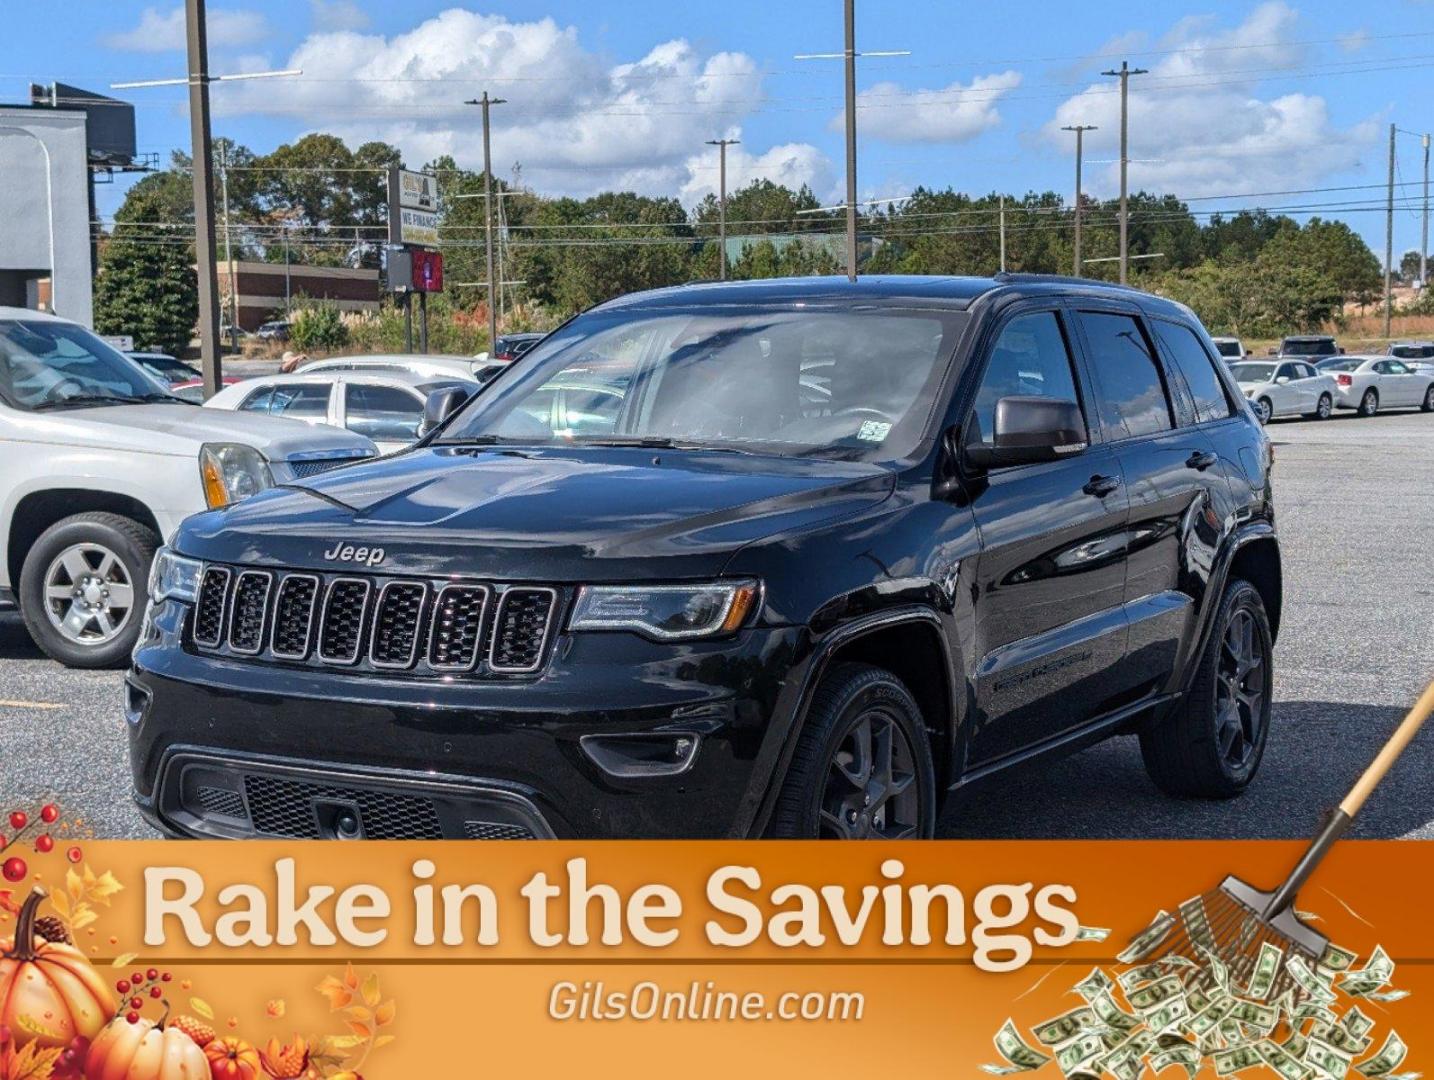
x,y
100,464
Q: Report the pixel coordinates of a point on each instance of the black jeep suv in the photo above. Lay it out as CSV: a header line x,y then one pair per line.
x,y
789,558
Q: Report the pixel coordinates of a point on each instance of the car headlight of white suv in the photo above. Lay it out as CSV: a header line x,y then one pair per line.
x,y
232,472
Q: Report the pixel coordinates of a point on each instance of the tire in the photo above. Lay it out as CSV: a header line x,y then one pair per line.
x,y
1324,410
1264,410
1203,749
820,795
102,561
1369,403
1428,405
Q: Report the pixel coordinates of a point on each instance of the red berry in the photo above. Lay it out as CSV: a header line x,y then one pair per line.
x,y
136,1003
4,842
19,819
122,986
49,813
165,977
74,854
152,974
14,869
44,844
155,992
132,1017
137,978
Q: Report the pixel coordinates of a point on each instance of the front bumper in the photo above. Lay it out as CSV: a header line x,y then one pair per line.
x,y
234,748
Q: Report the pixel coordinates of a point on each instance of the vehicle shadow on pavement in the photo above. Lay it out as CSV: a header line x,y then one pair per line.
x,y
15,643
1316,751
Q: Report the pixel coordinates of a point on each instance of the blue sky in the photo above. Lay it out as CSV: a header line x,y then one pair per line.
x,y
1243,97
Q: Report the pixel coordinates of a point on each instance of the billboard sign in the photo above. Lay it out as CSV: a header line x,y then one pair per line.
x,y
412,208
427,271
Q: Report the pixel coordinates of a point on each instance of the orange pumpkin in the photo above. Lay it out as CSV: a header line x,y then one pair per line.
x,y
144,1050
232,1058
49,993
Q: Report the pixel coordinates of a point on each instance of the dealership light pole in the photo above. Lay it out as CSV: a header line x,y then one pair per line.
x,y
1124,74
722,145
488,102
1424,228
1389,241
1080,130
849,54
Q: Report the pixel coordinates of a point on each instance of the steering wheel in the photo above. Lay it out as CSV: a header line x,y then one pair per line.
x,y
70,379
863,410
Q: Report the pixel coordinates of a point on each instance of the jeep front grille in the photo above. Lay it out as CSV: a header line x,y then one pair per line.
x,y
374,624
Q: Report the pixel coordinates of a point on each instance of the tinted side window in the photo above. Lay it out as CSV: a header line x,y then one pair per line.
x,y
259,400
1133,400
309,401
1030,358
382,412
1199,371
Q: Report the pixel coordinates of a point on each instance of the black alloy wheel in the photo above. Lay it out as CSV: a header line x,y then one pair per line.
x,y
1240,713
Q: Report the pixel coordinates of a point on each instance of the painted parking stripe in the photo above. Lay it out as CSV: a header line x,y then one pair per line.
x,y
29,704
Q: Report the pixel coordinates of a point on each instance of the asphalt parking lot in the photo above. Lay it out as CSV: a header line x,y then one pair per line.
x,y
1356,508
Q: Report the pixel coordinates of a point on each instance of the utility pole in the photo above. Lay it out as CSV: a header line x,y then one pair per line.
x,y
228,252
1389,242
1003,234
1424,229
1080,130
722,145
488,102
202,150
1125,72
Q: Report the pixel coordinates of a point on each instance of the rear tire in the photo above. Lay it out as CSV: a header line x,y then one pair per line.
x,y
1210,746
862,768
1324,410
1264,410
83,588
1428,405
1369,403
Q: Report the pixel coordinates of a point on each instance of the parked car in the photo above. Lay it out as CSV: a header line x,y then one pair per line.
x,y
1418,355
739,611
1370,383
509,347
193,390
167,369
1231,348
100,465
1286,388
424,364
1309,345
385,406
276,330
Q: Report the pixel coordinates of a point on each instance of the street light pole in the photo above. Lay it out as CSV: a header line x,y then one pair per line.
x,y
1389,242
488,102
722,145
202,150
1424,228
851,140
1125,72
1080,130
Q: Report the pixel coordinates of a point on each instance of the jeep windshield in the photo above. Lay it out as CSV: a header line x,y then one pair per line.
x,y
54,365
770,380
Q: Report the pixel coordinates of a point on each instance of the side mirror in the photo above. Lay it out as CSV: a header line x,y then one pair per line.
x,y
1281,379
441,404
1029,430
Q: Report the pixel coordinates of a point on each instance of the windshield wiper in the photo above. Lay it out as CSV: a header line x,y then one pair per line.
x,y
658,442
87,399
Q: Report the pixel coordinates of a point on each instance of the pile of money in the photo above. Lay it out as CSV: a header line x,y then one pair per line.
x,y
1299,1018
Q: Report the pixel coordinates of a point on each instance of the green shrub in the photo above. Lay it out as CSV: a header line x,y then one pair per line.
x,y
318,327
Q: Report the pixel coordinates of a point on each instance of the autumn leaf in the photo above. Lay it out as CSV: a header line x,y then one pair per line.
x,y
276,1008
359,1013
371,994
383,1040
123,960
84,915
334,1045
61,903
363,1031
384,1014
351,979
74,885
103,888
32,1063
7,902
337,993
202,1007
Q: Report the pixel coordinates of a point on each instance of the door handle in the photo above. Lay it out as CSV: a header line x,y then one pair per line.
x,y
1201,460
1101,486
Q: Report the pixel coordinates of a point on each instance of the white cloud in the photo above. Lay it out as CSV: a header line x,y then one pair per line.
x,y
792,164
337,15
955,113
161,31
1197,123
575,122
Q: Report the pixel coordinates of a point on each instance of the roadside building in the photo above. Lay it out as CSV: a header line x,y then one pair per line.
x,y
261,291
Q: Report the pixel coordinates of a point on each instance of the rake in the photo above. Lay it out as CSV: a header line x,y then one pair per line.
x,y
1232,922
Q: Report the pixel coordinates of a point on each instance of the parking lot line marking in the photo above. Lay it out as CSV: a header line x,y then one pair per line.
x,y
29,704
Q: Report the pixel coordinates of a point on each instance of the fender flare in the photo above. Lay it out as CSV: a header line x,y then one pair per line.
x,y
775,756
1242,538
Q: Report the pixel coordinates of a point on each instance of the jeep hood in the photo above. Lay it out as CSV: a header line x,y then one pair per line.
x,y
540,514
162,428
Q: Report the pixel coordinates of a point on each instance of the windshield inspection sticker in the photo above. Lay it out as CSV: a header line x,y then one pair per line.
x,y
873,430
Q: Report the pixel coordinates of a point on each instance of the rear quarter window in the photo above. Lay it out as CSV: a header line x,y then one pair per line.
x,y
1184,347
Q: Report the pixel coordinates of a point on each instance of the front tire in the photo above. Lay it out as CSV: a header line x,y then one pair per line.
x,y
1324,410
82,588
1211,745
1264,410
1369,403
862,768
1428,405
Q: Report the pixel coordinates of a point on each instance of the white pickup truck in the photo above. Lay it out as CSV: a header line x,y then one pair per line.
x,y
98,464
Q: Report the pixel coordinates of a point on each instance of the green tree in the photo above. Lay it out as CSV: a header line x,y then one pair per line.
x,y
147,287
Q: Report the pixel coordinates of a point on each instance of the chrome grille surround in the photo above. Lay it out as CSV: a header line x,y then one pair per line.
x,y
377,624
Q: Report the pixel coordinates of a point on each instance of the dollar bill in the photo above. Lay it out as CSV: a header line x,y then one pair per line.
x,y
1219,973
1092,933
1186,1056
1281,1060
1020,1056
1296,1044
1094,984
1144,973
1308,981
1341,1038
1375,975
1355,1022
1391,1055
1208,1019
1064,1028
1258,1016
1149,939
1387,995
1112,1015
1168,1015
1329,1060
1267,966
1081,1051
1236,1059
1146,998
1336,959
1313,1010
